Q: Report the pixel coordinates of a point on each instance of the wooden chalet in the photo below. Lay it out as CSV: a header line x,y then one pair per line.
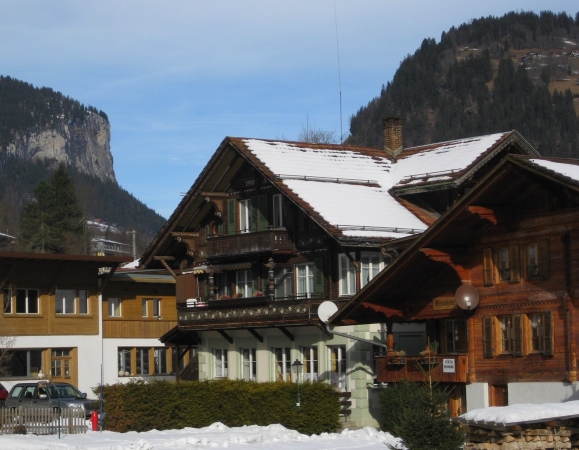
x,y
270,230
515,238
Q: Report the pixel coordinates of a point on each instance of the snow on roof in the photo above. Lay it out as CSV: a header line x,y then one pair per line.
x,y
514,414
349,187
132,265
567,170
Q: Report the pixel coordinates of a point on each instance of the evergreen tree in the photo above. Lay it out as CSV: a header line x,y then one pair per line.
x,y
54,223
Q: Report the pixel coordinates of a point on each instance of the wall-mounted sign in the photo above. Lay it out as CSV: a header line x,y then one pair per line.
x,y
448,366
443,303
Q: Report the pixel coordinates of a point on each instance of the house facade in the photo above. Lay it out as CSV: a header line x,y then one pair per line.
x,y
513,240
270,230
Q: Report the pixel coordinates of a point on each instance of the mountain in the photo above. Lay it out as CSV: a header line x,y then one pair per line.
x,y
519,71
39,128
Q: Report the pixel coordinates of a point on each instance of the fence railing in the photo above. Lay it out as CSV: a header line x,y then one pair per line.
x,y
42,420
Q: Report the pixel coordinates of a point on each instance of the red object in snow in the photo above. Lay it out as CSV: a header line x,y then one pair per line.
x,y
94,418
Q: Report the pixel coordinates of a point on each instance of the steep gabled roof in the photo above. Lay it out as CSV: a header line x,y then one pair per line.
x,y
454,229
351,192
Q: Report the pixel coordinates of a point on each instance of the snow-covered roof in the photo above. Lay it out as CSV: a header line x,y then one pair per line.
x,y
521,413
569,170
349,186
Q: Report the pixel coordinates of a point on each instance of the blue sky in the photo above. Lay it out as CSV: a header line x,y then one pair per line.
x,y
175,77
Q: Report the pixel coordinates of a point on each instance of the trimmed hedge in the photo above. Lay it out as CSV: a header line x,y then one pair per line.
x,y
162,405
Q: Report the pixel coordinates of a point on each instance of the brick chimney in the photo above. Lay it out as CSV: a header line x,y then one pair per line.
x,y
393,136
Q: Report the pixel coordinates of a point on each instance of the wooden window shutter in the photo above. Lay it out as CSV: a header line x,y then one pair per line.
x,y
543,257
487,336
515,263
488,266
231,216
548,336
253,213
319,276
517,338
262,216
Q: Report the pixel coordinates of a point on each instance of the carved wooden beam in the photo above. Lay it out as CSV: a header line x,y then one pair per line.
x,y
287,333
188,238
493,215
225,336
255,334
218,199
447,258
164,260
388,312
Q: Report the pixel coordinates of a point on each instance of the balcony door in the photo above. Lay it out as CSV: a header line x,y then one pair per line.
x,y
338,366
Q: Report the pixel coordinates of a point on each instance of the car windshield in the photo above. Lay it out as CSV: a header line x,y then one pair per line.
x,y
63,391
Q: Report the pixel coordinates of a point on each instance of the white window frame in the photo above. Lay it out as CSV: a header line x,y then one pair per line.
x,y
278,211
155,305
338,374
124,361
221,363
311,363
305,282
248,363
245,216
160,360
114,307
282,363
244,283
65,300
27,302
284,280
347,275
143,361
83,302
369,269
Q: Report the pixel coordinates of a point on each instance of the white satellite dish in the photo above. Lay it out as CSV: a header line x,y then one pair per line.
x,y
326,310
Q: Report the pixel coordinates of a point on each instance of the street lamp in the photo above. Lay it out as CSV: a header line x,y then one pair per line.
x,y
297,367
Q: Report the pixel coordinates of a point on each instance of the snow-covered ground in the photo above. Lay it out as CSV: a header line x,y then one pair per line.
x,y
214,436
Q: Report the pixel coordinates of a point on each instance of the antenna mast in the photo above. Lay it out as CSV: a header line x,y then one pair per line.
x,y
339,70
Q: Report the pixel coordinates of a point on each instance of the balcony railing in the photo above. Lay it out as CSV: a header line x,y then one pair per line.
x,y
444,368
251,312
249,243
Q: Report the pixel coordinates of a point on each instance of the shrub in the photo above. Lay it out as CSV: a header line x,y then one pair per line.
x,y
141,406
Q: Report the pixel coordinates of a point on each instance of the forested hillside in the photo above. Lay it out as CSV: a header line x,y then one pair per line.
x,y
519,71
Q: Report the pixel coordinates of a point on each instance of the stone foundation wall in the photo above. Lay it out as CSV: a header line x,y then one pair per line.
x,y
535,437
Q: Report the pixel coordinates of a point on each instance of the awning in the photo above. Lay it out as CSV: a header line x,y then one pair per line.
x,y
198,270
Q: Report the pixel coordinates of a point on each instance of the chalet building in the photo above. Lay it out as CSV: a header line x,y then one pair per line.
x,y
270,230
52,309
514,239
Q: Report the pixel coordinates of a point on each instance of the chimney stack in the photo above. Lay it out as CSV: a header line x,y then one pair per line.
x,y
393,136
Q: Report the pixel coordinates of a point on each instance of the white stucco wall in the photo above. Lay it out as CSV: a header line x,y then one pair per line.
x,y
477,396
542,392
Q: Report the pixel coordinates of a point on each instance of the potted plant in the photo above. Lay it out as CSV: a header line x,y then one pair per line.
x,y
225,297
238,295
397,357
259,294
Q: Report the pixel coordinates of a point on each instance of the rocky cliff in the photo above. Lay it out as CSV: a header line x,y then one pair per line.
x,y
84,145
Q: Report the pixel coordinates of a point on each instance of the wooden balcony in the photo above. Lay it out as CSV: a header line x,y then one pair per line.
x,y
253,312
268,241
445,368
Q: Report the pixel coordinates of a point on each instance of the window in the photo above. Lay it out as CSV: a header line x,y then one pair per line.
x,y
7,294
248,363
25,363
282,364
347,276
60,365
284,282
83,302
338,366
541,333
152,304
372,264
451,335
244,283
511,334
124,361
222,284
245,222
504,267
537,261
278,211
220,355
64,299
114,307
305,279
142,361
310,355
502,264
27,301
161,361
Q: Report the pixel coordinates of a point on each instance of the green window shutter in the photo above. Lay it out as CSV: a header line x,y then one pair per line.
x,y
517,335
220,228
548,336
487,326
543,257
319,276
253,213
488,266
231,216
515,263
262,216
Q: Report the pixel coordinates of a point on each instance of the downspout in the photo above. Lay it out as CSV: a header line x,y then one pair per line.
x,y
569,308
367,341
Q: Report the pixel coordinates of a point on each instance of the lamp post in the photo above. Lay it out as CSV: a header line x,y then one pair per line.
x,y
44,385
297,368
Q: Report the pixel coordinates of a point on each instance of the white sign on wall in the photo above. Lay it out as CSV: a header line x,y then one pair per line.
x,y
448,366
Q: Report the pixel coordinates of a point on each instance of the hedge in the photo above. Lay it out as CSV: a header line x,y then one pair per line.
x,y
163,405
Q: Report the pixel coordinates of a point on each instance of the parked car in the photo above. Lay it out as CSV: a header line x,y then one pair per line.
x,y
3,395
45,393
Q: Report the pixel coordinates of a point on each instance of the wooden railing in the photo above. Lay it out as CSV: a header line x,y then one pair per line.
x,y
444,368
249,243
42,420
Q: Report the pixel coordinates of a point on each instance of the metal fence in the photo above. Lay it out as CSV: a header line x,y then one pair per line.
x,y
42,420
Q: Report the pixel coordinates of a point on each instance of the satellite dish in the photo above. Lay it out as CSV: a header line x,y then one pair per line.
x,y
467,297
326,310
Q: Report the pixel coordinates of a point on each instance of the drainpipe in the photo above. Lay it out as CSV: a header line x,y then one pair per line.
x,y
367,341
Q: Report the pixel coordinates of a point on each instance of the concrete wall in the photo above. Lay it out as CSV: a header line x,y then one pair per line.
x,y
542,392
477,396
